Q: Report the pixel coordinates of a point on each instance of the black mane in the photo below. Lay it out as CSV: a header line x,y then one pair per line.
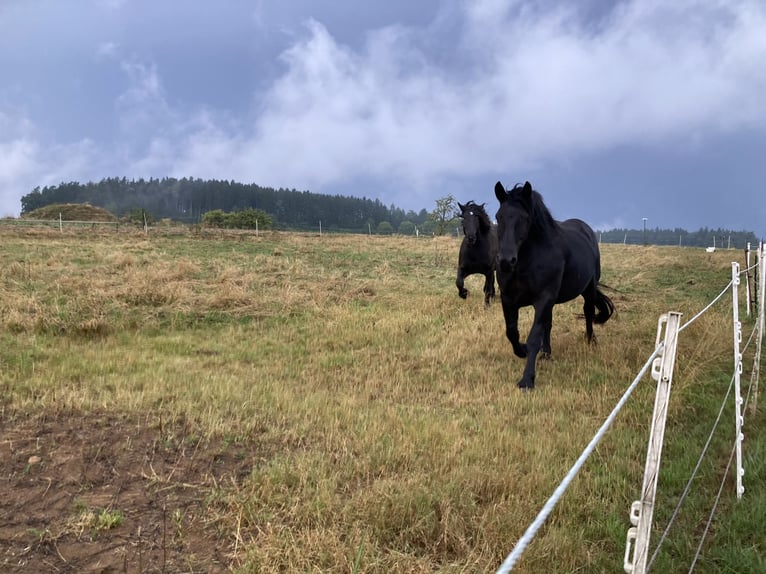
x,y
543,223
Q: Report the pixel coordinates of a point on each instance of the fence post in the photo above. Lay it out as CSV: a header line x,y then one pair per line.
x,y
737,331
641,511
760,322
748,288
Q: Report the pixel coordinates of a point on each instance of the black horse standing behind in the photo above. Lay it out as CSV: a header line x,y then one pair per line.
x,y
542,262
478,251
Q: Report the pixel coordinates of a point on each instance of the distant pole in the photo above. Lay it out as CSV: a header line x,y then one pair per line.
x,y
256,228
320,227
61,223
644,218
369,229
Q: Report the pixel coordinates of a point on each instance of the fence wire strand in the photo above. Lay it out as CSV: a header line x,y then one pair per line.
x,y
712,512
707,307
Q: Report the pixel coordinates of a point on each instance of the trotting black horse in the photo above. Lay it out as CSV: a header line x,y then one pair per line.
x,y
478,251
543,262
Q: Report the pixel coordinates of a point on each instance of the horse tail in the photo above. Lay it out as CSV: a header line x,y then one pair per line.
x,y
604,308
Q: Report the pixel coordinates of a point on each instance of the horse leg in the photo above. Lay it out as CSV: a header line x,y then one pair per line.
x,y
511,314
461,290
589,310
543,318
489,287
546,348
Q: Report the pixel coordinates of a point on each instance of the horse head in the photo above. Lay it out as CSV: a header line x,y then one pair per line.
x,y
470,214
514,222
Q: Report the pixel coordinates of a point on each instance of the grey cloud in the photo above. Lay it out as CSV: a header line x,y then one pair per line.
x,y
552,85
407,103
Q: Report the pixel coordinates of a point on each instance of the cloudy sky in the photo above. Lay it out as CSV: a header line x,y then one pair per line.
x,y
614,111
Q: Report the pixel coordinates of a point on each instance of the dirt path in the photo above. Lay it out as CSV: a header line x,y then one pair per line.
x,y
105,493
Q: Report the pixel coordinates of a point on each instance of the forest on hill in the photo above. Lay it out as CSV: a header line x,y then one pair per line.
x,y
187,200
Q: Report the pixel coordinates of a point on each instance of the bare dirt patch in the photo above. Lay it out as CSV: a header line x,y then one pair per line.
x,y
96,492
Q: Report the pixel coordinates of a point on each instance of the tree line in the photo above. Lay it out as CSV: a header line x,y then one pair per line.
x,y
188,199
703,237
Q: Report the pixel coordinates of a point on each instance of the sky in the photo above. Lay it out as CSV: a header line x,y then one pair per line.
x,y
615,111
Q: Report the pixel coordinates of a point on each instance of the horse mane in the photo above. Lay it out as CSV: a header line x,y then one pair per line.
x,y
486,223
542,221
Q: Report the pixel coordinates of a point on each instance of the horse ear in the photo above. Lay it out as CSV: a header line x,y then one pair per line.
x,y
461,206
526,192
500,192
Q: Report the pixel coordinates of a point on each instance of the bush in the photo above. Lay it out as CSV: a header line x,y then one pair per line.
x,y
136,217
244,219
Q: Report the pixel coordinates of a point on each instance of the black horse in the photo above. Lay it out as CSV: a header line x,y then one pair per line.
x,y
543,262
478,251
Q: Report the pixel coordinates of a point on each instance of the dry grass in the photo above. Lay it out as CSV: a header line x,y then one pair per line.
x,y
398,441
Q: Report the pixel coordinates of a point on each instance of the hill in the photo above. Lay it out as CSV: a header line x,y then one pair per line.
x,y
187,200
71,212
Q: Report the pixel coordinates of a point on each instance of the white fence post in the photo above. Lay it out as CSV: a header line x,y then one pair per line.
x,y
641,510
760,322
748,288
737,331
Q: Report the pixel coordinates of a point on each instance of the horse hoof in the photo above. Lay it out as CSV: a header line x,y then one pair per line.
x,y
463,294
545,355
526,385
521,352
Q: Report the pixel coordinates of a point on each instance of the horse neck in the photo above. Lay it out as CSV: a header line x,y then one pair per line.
x,y
544,226
545,230
485,226
484,233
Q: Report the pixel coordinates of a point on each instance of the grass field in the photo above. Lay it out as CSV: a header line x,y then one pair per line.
x,y
302,403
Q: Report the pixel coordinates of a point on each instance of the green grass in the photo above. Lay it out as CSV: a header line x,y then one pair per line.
x,y
389,433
